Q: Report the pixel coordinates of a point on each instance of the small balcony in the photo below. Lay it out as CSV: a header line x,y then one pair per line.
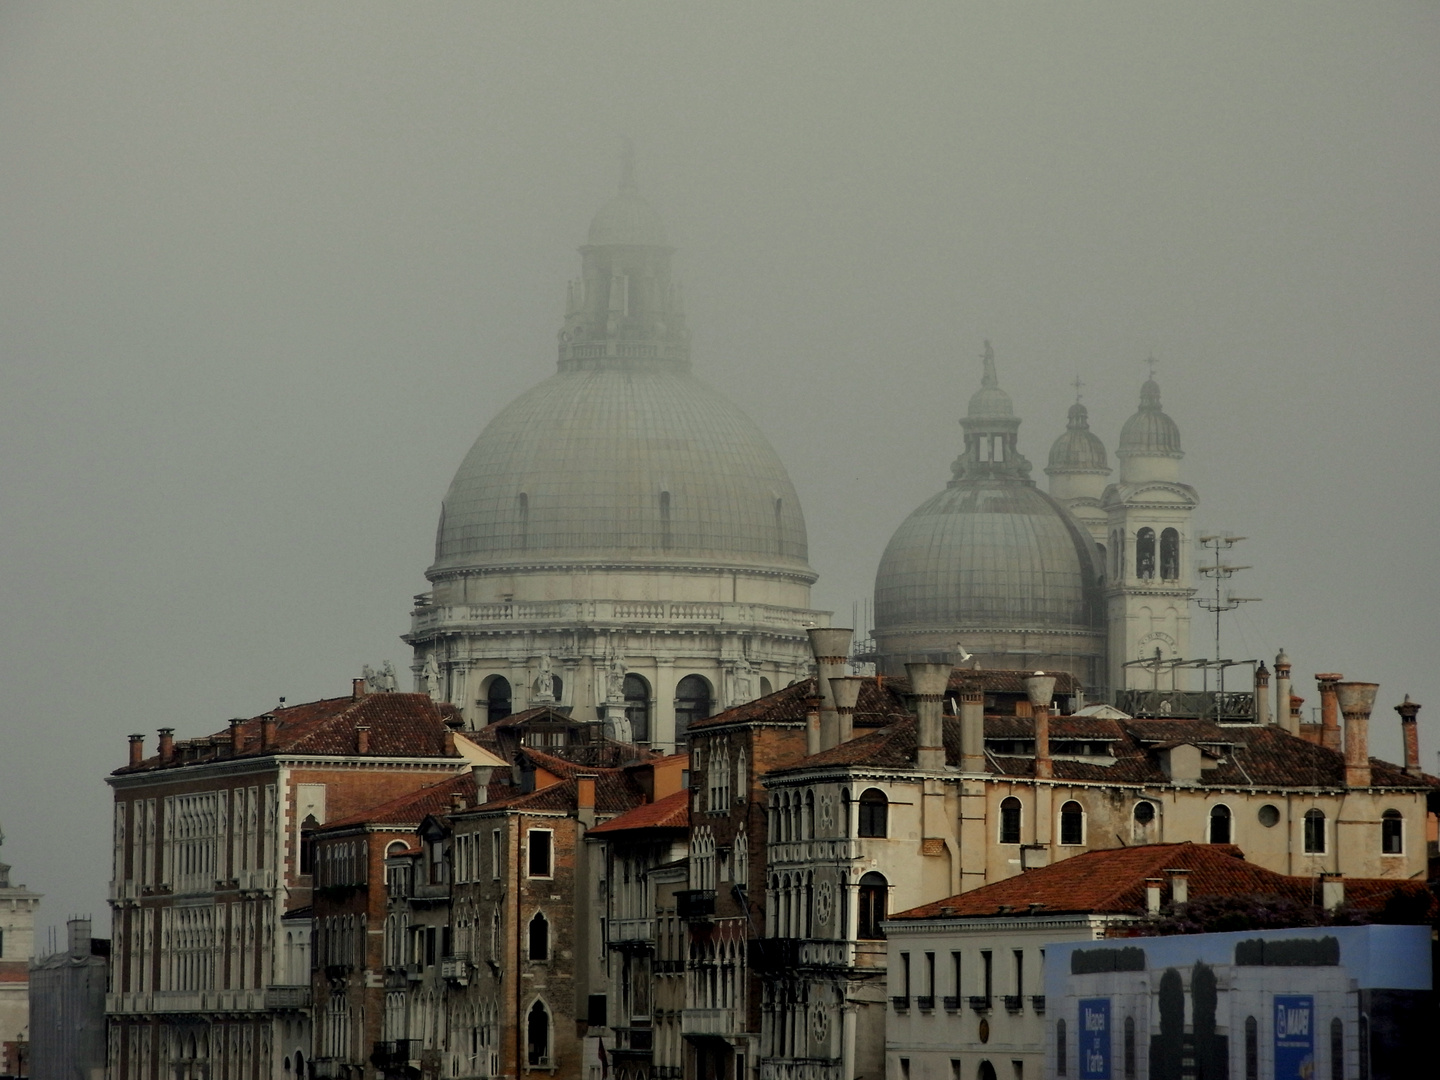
x,y
925,1002
695,905
950,1003
980,1002
634,1040
286,998
1037,1002
631,931
456,968
414,972
394,1055
1014,1002
706,1022
901,1002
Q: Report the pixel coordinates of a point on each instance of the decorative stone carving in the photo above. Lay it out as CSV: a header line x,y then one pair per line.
x,y
430,675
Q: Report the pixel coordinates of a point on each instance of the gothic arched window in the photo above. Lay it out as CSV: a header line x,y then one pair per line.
x,y
1170,554
537,1035
1145,554
539,938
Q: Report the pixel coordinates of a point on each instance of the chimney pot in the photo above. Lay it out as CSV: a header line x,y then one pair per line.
x,y
1152,895
585,791
268,727
237,737
1283,716
1040,689
1408,711
972,725
1179,885
928,682
1262,694
457,800
845,692
357,689
1332,890
831,646
167,745
137,748
1329,715
362,739
1356,700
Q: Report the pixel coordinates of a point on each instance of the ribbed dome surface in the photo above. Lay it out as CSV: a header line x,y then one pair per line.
x,y
1079,449
987,553
1149,432
627,219
606,465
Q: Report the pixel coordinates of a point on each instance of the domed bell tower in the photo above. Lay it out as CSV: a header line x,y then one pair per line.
x,y
1150,552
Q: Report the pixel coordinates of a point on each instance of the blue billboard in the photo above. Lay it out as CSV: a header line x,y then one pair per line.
x,y
1095,1039
1294,1037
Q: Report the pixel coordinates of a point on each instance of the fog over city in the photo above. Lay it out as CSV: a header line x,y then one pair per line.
x,y
268,271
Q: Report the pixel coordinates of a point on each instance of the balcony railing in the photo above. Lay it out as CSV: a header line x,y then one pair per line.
x,y
775,955
456,968
901,1002
799,1069
706,1021
696,905
1014,1002
1037,1002
951,1003
287,997
925,1002
625,930
980,1002
394,1055
635,1040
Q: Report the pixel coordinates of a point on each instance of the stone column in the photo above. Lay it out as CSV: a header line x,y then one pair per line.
x,y
662,724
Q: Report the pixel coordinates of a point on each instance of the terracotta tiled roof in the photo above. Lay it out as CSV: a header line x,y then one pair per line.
x,y
671,812
1113,883
401,725
411,809
616,791
540,712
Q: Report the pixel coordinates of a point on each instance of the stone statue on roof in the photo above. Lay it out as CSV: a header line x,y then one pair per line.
x,y
372,679
430,673
387,677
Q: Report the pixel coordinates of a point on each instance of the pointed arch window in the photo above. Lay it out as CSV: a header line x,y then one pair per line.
x,y
1170,555
537,1035
1145,554
539,937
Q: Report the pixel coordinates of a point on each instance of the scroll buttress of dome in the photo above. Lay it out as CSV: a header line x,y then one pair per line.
x,y
622,466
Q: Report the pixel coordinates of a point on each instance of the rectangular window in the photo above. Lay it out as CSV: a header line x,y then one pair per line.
x,y
539,845
495,855
905,972
1314,833
955,967
987,960
1019,972
930,974
904,1069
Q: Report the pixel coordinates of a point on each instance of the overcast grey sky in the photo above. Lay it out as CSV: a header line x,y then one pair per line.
x,y
268,269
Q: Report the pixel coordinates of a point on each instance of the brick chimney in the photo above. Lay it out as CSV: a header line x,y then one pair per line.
x,y
167,745
1262,694
362,739
1329,712
846,693
237,737
972,726
137,748
928,682
357,689
268,727
1332,891
1356,699
1283,716
457,801
1179,885
1040,689
1297,728
1408,710
831,646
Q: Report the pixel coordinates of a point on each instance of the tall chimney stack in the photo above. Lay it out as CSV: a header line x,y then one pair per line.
x,y
1356,701
1408,710
928,683
846,692
268,726
831,646
137,748
167,745
362,739
237,737
1295,726
1040,689
972,726
1329,713
1262,694
812,724
1282,693
357,689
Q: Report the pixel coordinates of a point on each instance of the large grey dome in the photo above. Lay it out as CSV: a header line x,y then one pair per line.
x,y
991,553
609,465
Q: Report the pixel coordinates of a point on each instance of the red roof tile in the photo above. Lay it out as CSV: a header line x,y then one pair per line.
x,y
411,809
671,812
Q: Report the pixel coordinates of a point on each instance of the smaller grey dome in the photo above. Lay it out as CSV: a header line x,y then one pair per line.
x,y
1079,449
1149,433
627,219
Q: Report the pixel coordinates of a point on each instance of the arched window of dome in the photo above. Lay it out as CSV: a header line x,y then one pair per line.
x,y
874,813
1010,821
637,706
1170,554
1072,824
1392,833
666,539
693,701
1220,824
874,890
1145,554
539,937
497,698
1314,832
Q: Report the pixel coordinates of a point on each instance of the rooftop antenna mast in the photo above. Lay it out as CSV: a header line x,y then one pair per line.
x,y
1223,601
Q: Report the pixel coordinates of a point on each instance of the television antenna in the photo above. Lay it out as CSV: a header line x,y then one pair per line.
x,y
1220,573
